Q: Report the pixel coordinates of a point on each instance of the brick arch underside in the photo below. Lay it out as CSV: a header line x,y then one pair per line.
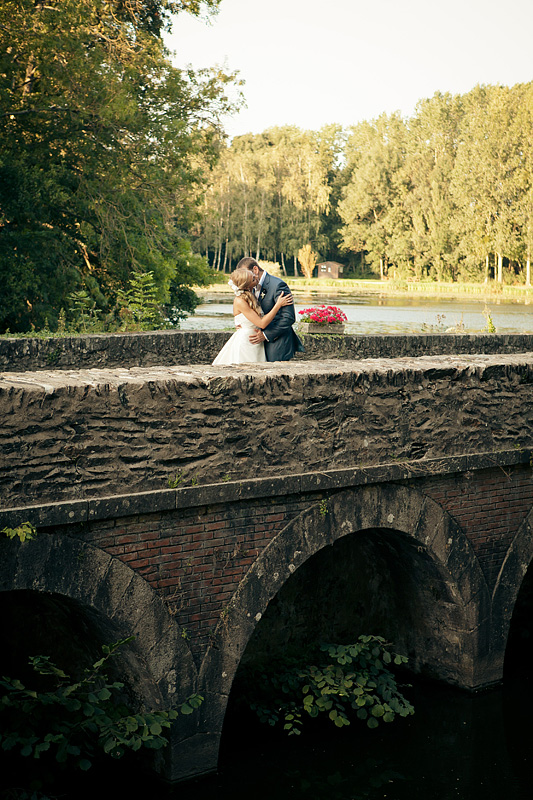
x,y
119,602
518,560
404,510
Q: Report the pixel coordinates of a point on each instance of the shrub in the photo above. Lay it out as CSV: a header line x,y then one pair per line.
x,y
344,681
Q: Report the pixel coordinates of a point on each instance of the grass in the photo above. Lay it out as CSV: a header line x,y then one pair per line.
x,y
349,286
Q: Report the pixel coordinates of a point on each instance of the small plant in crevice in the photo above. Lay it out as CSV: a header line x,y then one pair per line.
x,y
74,722
25,532
176,481
323,508
341,681
181,479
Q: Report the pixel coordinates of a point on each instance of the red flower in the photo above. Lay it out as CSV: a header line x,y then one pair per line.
x,y
324,315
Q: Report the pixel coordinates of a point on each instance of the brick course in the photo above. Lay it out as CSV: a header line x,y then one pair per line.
x,y
197,557
489,505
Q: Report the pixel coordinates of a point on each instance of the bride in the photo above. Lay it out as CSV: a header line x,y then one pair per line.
x,y
247,316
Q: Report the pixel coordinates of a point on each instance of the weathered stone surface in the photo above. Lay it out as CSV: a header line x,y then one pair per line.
x,y
76,434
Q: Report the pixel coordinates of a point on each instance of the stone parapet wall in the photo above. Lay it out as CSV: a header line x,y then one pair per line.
x,y
70,435
172,348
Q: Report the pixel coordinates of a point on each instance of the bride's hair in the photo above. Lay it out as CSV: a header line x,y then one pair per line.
x,y
243,282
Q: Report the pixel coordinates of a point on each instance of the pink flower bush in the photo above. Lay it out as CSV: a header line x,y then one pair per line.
x,y
323,315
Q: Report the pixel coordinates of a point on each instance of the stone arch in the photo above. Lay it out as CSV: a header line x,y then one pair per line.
x,y
512,573
122,600
386,506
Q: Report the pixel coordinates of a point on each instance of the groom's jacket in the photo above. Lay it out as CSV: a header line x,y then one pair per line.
x,y
282,341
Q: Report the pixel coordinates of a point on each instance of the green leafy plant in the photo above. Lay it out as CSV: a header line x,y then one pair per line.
x,y
344,681
180,479
84,310
174,482
76,721
25,532
139,305
490,326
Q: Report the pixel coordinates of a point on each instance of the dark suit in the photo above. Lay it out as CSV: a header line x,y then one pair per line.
x,y
282,341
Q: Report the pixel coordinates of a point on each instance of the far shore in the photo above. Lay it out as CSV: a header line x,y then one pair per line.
x,y
305,287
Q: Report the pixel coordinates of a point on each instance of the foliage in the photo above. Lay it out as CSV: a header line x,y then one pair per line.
x,y
76,721
445,195
103,148
83,310
268,195
24,532
323,315
490,326
307,259
139,308
343,679
191,270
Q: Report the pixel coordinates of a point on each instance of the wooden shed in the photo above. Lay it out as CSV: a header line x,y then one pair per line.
x,y
329,269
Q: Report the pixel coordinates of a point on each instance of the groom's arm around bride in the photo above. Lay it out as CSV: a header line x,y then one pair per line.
x,y
281,342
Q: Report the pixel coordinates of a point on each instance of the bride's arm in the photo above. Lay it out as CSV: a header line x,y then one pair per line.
x,y
262,322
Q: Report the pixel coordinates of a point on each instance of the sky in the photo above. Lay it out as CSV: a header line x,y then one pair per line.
x,y
310,63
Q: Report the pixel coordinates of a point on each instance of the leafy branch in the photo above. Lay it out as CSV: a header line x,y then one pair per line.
x,y
25,532
77,720
345,681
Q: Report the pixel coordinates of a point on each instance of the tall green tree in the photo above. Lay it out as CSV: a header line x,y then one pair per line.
x,y
373,207
486,182
103,148
433,139
524,127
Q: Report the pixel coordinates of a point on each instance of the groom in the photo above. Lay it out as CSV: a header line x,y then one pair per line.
x,y
281,342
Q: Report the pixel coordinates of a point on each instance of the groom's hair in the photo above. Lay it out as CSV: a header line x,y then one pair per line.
x,y
247,263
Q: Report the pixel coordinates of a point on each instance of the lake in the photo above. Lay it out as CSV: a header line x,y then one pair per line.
x,y
385,314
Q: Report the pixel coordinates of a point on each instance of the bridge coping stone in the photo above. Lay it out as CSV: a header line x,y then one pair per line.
x,y
125,505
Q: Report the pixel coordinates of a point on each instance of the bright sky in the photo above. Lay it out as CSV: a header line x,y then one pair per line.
x,y
310,63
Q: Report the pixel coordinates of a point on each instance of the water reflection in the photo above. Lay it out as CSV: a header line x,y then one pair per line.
x,y
379,314
456,746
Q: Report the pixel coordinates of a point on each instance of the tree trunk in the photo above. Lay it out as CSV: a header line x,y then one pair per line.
x,y
225,256
283,268
31,66
528,271
500,268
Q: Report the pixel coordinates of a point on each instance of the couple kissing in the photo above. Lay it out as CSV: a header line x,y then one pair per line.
x,y
263,313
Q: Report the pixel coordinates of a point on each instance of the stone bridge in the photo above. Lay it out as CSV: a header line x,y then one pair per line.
x,y
218,514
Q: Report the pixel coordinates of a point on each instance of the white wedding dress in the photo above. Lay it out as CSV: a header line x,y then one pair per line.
x,y
239,349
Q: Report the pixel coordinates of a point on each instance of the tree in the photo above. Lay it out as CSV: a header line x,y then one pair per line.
x,y
307,259
268,196
486,183
372,208
432,145
103,145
